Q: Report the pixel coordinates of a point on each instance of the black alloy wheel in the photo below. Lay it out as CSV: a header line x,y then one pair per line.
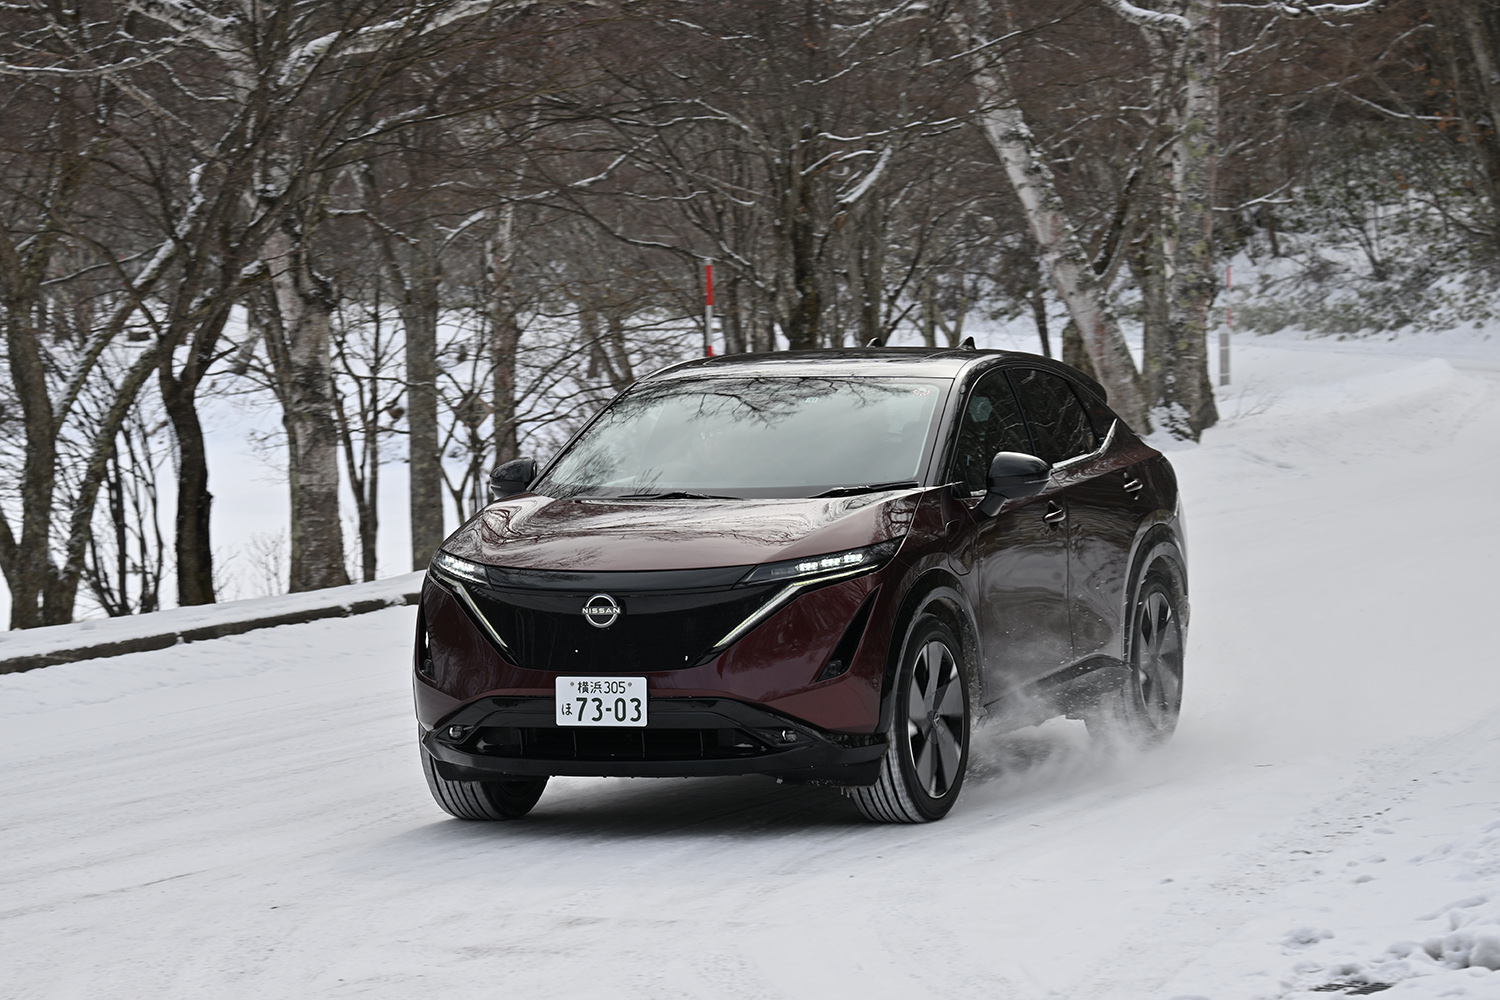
x,y
924,767
1145,710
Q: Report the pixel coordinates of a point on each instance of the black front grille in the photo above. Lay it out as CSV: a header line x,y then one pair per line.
x,y
537,743
656,629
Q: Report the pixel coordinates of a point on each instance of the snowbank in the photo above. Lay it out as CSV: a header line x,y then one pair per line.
x,y
42,647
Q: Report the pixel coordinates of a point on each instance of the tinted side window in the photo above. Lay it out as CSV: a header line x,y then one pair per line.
x,y
990,422
1057,419
1101,416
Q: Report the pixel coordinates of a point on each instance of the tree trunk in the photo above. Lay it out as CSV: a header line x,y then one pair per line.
x,y
195,568
617,350
1184,396
1039,316
304,302
369,514
927,321
26,564
179,392
1062,253
1075,353
593,345
363,467
419,317
1149,265
807,300
734,318
505,337
801,236
865,259
953,332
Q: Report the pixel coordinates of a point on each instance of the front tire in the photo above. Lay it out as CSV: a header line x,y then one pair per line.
x,y
923,770
510,798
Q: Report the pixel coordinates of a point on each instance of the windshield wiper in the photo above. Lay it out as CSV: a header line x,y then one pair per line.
x,y
849,491
673,495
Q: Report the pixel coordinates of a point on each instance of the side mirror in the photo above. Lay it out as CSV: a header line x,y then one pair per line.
x,y
1013,476
511,478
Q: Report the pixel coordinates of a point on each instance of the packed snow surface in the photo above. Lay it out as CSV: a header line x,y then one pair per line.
x,y
245,817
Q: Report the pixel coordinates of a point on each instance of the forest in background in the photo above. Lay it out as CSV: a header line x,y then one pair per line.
x,y
440,232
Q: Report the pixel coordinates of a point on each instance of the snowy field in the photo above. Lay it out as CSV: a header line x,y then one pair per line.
x,y
246,817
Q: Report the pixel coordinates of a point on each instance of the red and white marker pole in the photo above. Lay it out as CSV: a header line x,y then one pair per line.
x,y
708,310
1228,329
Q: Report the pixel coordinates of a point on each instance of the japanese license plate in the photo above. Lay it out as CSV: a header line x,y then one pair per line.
x,y
601,701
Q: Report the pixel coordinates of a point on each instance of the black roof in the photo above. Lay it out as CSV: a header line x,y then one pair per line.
x,y
921,362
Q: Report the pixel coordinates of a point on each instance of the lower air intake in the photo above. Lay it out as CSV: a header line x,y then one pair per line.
x,y
617,744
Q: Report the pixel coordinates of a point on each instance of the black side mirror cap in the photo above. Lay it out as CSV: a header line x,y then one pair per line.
x,y
510,478
1013,475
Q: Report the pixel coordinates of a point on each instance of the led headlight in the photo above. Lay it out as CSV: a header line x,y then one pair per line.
x,y
450,565
456,572
835,564
799,574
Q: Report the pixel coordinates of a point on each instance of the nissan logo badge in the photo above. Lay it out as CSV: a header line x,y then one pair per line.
x,y
601,611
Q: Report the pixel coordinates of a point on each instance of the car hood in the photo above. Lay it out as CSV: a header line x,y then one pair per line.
x,y
598,535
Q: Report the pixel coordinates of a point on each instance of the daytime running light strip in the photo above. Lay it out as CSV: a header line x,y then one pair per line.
x,y
463,595
783,595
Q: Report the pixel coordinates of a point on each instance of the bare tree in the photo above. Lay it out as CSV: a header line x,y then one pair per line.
x,y
319,82
61,120
367,391
125,561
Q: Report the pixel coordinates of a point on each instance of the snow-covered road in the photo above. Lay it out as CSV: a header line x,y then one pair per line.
x,y
246,817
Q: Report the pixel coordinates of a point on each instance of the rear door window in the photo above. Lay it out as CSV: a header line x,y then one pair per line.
x,y
1101,416
1056,417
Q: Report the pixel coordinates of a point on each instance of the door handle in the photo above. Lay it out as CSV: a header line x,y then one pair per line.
x,y
1055,513
1133,486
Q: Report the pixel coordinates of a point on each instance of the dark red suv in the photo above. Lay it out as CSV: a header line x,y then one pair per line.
x,y
820,566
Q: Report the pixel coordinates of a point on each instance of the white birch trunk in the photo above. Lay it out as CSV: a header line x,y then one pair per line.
x,y
417,283
1062,253
1185,391
505,335
317,534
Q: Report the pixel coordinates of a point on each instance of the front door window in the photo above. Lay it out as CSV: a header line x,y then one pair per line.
x,y
991,423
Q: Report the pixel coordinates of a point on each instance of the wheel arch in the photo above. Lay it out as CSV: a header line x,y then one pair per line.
x,y
939,594
1157,546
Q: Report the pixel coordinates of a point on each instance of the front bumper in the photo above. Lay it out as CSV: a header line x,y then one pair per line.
x,y
499,737
775,667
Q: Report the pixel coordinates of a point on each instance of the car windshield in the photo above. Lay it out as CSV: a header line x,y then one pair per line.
x,y
753,437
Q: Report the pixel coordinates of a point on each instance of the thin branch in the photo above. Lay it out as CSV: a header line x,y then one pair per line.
x,y
1147,18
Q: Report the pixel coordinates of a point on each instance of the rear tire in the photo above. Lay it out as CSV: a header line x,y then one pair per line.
x,y
923,770
509,798
1144,711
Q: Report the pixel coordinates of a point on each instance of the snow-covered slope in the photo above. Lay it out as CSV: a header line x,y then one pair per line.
x,y
245,817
